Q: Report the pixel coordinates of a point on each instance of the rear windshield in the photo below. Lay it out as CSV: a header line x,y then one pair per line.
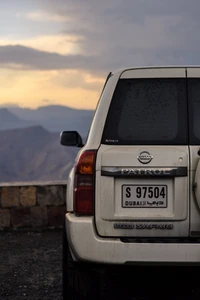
x,y
148,111
194,103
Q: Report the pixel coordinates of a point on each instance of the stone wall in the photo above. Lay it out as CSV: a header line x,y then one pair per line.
x,y
32,205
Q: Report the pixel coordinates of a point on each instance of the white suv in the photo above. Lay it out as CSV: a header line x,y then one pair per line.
x,y
133,195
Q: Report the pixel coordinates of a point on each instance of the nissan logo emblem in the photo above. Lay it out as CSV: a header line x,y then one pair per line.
x,y
145,157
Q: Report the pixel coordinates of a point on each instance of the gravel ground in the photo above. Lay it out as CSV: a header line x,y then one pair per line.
x,y
30,265
30,268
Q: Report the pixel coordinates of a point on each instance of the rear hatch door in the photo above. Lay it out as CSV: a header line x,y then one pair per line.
x,y
142,180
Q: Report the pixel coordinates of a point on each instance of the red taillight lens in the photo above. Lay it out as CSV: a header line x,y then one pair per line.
x,y
84,184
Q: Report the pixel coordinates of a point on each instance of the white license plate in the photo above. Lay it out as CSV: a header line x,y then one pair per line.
x,y
144,196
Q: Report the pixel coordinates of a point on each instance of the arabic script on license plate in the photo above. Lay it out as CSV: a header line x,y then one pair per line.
x,y
144,196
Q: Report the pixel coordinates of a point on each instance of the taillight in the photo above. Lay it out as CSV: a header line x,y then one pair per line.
x,y
84,184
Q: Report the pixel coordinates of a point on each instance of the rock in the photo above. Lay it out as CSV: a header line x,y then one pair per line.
x,y
10,196
50,195
28,196
20,217
38,216
4,218
56,215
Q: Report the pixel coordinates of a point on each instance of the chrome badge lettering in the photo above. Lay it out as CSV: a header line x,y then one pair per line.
x,y
151,172
154,226
143,226
123,226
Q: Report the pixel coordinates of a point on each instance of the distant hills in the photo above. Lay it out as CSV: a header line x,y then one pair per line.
x,y
34,154
8,120
30,147
55,118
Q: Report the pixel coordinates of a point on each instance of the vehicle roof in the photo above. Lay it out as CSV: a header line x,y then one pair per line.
x,y
155,67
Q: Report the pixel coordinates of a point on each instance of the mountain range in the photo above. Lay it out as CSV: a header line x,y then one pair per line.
x,y
30,142
34,154
54,118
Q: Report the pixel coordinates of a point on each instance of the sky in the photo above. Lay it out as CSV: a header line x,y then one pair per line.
x,y
59,52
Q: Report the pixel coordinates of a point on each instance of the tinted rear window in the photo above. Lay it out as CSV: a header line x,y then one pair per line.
x,y
147,111
194,102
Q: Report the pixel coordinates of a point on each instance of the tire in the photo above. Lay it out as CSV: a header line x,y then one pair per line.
x,y
80,281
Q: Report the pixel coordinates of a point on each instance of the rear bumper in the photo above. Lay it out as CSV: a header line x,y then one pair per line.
x,y
86,245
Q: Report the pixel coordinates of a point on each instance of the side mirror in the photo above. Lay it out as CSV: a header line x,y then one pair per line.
x,y
71,138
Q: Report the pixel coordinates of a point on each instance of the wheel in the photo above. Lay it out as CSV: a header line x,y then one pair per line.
x,y
80,281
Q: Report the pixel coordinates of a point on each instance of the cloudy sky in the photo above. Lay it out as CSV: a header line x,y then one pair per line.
x,y
60,51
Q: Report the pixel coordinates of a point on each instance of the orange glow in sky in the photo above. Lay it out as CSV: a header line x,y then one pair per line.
x,y
31,87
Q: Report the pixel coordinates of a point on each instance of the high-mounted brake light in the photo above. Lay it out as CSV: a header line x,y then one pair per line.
x,y
84,184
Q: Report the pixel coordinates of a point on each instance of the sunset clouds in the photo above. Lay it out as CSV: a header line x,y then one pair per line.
x,y
61,51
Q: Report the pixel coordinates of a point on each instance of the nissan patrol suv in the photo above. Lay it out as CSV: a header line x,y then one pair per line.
x,y
133,195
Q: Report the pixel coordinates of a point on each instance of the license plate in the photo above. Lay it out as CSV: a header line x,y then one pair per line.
x,y
144,196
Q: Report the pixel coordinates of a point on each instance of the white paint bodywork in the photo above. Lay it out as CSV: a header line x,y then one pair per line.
x,y
194,72
197,184
95,239
88,246
108,191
